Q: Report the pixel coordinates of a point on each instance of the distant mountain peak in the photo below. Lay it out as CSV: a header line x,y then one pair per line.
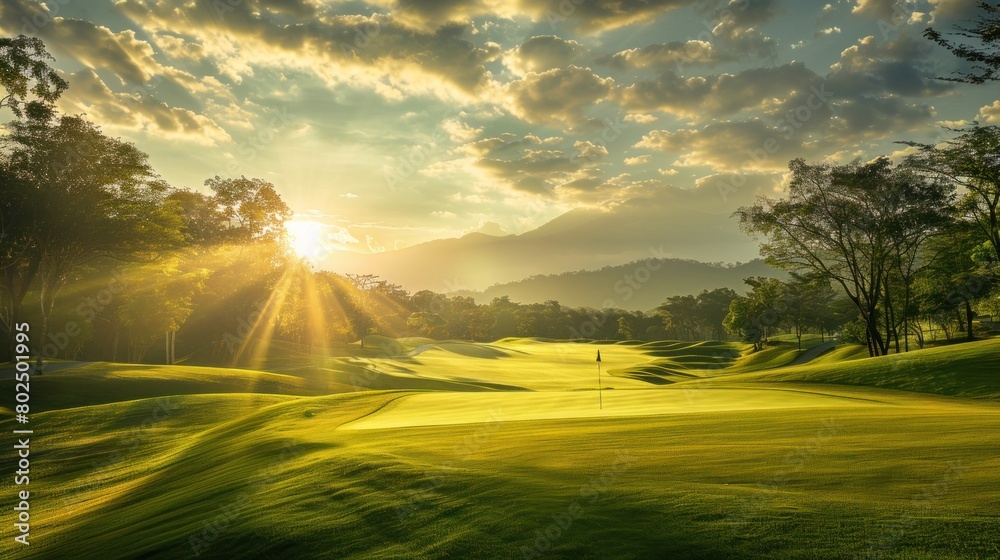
x,y
581,239
490,228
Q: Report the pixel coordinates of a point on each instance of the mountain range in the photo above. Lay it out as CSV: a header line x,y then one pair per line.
x,y
681,226
641,285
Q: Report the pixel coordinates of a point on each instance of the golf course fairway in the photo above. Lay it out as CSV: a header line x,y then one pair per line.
x,y
509,450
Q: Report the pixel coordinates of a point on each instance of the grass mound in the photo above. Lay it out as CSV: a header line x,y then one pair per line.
x,y
677,361
101,383
966,370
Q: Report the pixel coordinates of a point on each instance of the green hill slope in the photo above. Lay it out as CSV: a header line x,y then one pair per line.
x,y
865,458
966,370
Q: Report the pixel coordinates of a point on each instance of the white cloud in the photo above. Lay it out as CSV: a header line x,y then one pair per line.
x,y
558,97
542,53
637,160
640,118
89,94
990,114
669,54
460,132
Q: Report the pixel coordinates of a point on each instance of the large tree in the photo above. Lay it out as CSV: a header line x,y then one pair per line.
x,y
984,50
680,316
156,302
24,73
910,232
364,289
18,256
713,306
971,161
843,223
29,88
807,303
204,222
957,275
752,317
86,196
253,208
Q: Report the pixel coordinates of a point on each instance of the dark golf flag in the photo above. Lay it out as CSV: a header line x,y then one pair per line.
x,y
598,355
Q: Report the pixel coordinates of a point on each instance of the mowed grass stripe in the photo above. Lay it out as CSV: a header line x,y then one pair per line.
x,y
427,409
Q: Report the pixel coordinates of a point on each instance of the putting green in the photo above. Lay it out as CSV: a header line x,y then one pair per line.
x,y
438,409
537,366
543,366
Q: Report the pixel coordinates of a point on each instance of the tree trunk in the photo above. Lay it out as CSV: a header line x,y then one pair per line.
x,y
47,302
51,284
892,325
115,341
140,352
876,345
41,343
968,319
7,348
891,333
16,291
129,347
906,316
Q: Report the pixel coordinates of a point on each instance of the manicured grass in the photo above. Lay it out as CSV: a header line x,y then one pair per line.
x,y
893,457
102,383
431,409
967,370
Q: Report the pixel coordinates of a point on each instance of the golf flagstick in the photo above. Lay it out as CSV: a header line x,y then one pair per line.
x,y
600,391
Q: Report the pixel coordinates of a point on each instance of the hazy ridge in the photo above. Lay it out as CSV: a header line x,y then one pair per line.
x,y
639,285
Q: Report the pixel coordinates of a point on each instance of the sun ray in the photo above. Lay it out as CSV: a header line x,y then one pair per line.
x,y
316,328
256,344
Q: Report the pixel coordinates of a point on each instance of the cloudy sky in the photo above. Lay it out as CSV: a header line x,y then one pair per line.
x,y
384,124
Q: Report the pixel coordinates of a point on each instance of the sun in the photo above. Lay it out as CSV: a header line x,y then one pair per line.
x,y
306,238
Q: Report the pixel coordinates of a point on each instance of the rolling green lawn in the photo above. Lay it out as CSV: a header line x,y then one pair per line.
x,y
421,449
